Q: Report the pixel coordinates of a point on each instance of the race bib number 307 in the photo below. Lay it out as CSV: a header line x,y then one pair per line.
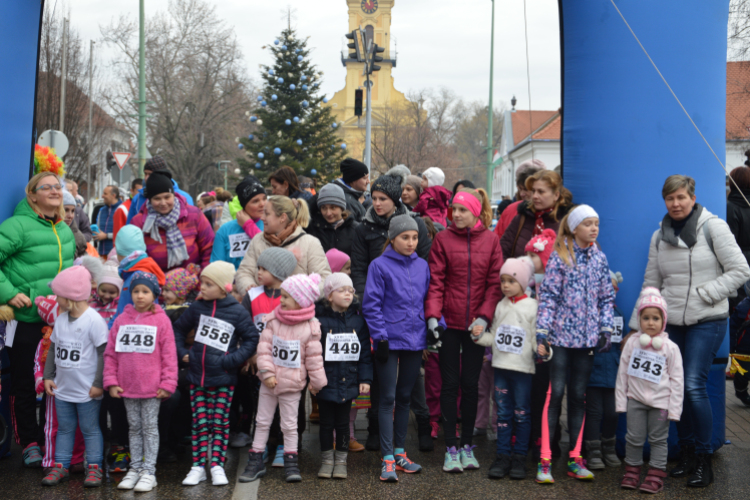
x,y
214,333
136,338
342,347
238,244
510,338
68,354
286,353
647,365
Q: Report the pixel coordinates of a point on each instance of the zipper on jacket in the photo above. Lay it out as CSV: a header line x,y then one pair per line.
x,y
203,360
690,284
468,279
411,292
59,246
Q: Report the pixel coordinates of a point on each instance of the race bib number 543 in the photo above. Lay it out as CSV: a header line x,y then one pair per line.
x,y
647,365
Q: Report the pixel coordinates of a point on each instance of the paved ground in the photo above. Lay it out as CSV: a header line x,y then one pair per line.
x,y
731,463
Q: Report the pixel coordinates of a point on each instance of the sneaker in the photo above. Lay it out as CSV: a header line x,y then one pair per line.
x,y
500,467
278,459
93,477
388,471
195,476
403,464
147,482
119,459
577,469
544,472
355,446
468,460
254,468
240,440
218,476
518,466
129,481
452,461
435,427
32,456
55,476
743,397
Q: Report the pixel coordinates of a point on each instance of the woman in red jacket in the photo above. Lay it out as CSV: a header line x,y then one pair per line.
x,y
465,263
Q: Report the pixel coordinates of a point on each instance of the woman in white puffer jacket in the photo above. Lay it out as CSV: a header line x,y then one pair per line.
x,y
695,261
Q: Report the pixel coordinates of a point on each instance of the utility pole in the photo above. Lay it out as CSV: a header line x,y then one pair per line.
x,y
90,191
142,92
64,74
490,142
368,124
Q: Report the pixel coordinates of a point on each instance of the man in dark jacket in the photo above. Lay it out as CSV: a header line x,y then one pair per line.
x,y
355,176
338,234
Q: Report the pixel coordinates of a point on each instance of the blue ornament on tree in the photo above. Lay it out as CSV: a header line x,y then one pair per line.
x,y
292,87
274,97
280,80
261,155
304,87
296,119
283,47
343,146
257,165
303,77
299,58
299,142
298,51
277,151
240,146
314,172
335,125
260,98
288,63
253,118
263,103
325,100
251,137
275,42
270,72
288,121
305,104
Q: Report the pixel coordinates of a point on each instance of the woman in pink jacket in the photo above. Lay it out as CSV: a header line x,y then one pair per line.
x,y
140,365
650,389
288,352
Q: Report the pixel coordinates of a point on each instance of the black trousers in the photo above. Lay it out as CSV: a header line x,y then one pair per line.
x,y
118,434
244,403
539,386
460,364
601,417
22,388
334,416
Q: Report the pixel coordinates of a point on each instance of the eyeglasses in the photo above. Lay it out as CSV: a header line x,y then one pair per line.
x,y
346,289
48,187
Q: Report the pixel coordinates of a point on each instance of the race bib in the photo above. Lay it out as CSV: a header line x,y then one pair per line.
x,y
647,365
238,245
342,347
214,333
617,333
68,354
259,323
286,353
136,338
510,338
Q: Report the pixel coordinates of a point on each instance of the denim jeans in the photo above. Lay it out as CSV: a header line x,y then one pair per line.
x,y
86,416
698,345
513,400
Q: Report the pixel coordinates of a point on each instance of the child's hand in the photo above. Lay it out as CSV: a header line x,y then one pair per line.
x,y
541,350
251,365
425,355
95,392
185,358
477,330
312,389
364,388
162,394
270,382
115,391
49,387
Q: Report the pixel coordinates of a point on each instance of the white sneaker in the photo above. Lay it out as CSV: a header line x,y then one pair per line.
x,y
146,483
128,482
240,440
218,476
195,476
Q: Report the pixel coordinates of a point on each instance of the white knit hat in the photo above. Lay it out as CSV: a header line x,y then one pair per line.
x,y
335,281
579,214
434,176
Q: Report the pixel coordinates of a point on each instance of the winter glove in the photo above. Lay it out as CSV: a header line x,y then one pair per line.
x,y
605,342
381,354
541,339
478,322
434,332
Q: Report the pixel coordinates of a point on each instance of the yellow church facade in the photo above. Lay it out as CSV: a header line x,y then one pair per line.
x,y
375,17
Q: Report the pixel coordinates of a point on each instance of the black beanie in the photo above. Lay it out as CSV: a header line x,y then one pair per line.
x,y
352,170
157,183
248,189
390,185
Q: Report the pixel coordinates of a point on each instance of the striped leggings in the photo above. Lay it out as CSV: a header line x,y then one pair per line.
x,y
210,423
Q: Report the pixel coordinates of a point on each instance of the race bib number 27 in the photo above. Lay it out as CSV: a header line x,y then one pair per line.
x,y
238,245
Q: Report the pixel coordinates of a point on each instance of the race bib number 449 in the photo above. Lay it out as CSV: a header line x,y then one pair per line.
x,y
68,354
342,347
510,338
647,365
136,338
214,333
286,353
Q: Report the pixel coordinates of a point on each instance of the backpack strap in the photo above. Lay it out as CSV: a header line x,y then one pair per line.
x,y
521,222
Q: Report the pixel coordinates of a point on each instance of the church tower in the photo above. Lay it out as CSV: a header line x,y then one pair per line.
x,y
375,17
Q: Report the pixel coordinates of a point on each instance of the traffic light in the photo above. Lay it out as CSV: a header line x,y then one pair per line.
x,y
110,161
376,58
358,102
355,45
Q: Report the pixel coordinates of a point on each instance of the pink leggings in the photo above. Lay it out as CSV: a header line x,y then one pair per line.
x,y
546,452
288,408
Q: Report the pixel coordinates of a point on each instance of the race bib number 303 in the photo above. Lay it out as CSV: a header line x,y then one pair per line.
x,y
510,339
238,245
136,338
286,353
68,354
647,365
214,333
342,347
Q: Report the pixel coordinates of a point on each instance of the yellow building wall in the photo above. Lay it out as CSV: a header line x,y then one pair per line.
x,y
384,92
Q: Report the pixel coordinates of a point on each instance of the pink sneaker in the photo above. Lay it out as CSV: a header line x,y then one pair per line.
x,y
435,426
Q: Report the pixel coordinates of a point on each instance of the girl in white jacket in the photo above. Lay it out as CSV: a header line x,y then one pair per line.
x,y
512,337
649,388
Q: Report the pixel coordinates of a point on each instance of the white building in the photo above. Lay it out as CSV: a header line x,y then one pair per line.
x,y
738,113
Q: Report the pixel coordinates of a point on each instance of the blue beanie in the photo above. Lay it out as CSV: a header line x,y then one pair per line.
x,y
129,239
147,279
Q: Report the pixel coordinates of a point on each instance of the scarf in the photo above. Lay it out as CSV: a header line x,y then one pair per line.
x,y
277,239
131,260
176,249
296,316
382,221
539,223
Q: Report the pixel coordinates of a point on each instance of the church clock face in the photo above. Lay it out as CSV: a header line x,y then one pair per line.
x,y
369,6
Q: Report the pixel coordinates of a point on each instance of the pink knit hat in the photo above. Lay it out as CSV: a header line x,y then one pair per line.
x,y
303,289
336,281
337,259
521,269
74,283
110,276
651,297
542,245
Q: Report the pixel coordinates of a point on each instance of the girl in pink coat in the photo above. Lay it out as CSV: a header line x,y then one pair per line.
x,y
140,366
289,352
650,389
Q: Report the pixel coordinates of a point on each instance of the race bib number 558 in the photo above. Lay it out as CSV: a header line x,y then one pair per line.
x,y
214,333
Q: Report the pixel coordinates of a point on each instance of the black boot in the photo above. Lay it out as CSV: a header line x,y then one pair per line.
x,y
500,467
743,396
373,434
518,466
291,468
687,462
703,475
254,469
425,438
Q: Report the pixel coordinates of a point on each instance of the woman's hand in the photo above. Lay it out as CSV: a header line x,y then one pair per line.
x,y
364,388
270,382
49,387
242,218
19,301
115,391
95,392
162,394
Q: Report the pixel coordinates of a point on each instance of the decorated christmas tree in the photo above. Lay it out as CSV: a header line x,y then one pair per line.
x,y
293,127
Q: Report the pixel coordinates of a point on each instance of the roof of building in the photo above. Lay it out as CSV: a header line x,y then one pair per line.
x,y
525,122
738,100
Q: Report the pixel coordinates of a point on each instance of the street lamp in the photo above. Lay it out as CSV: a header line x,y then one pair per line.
x,y
489,109
223,166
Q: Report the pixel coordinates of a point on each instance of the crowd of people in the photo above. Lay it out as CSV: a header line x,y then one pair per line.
x,y
198,328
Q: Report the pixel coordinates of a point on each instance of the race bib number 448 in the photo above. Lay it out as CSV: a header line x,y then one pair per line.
x,y
286,353
136,338
214,333
647,365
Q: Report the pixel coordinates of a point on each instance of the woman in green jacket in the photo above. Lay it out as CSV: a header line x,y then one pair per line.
x,y
35,245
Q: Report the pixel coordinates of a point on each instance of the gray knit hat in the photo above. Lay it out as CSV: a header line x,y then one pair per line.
x,y
278,261
390,185
68,198
416,183
331,194
401,223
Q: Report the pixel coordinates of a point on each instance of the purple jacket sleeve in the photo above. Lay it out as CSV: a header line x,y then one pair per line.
x,y
372,303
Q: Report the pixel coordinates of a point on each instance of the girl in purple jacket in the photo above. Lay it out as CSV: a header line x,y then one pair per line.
x,y
393,306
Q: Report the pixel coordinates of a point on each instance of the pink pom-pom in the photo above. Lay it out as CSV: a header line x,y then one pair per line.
x,y
228,287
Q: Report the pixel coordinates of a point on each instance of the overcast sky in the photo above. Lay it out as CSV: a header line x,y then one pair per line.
x,y
441,43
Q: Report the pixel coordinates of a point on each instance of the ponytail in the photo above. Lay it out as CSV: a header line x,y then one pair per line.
x,y
294,209
485,215
564,242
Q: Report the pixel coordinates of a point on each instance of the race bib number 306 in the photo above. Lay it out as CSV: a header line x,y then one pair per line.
x,y
68,354
214,333
510,338
647,365
286,353
238,245
136,338
342,347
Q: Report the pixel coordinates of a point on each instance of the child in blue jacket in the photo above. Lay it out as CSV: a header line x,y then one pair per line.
x,y
739,347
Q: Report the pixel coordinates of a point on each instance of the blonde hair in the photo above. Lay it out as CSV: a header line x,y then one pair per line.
x,y
554,181
675,182
481,195
31,186
295,209
564,242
